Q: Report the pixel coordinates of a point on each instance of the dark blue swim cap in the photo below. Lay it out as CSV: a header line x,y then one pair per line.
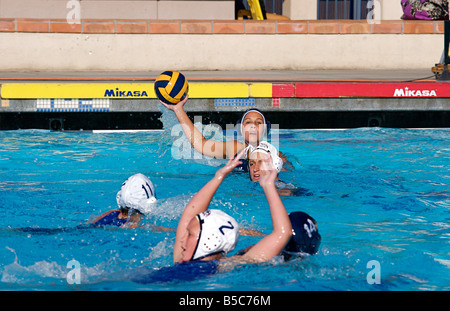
x,y
305,235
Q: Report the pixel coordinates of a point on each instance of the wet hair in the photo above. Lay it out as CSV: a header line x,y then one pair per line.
x,y
129,211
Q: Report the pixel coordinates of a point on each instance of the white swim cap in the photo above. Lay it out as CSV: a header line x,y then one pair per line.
x,y
253,110
137,192
219,233
265,148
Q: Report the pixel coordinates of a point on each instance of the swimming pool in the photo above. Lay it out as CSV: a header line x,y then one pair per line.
x,y
381,198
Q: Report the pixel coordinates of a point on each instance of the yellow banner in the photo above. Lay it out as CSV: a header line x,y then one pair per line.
x,y
78,90
130,90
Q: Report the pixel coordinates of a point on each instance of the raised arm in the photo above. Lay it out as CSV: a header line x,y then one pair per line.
x,y
272,244
200,202
210,148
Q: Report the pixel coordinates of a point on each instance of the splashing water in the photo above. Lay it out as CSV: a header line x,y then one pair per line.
x,y
377,194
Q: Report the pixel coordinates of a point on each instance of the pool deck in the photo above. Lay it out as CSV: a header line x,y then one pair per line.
x,y
214,76
319,98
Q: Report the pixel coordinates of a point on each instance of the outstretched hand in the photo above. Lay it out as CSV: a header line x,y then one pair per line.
x,y
177,106
268,172
231,165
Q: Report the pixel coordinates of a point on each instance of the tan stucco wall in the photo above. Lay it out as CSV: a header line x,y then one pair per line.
x,y
141,52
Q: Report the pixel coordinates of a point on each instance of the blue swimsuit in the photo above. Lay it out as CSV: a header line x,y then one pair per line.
x,y
111,219
242,168
185,271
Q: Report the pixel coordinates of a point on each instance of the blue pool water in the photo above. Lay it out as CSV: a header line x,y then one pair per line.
x,y
379,195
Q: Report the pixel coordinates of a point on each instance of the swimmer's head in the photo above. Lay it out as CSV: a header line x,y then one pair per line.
x,y
137,193
253,126
305,236
219,233
257,156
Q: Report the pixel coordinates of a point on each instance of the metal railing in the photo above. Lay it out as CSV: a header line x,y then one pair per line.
x,y
271,6
342,9
274,6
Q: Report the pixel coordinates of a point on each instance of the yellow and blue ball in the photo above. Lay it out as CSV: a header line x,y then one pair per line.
x,y
171,87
